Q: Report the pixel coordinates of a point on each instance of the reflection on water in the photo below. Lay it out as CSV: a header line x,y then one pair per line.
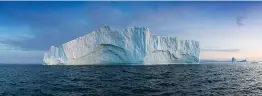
x,y
202,79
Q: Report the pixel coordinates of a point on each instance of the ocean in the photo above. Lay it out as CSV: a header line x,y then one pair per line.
x,y
116,80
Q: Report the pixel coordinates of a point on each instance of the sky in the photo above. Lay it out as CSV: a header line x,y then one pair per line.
x,y
224,29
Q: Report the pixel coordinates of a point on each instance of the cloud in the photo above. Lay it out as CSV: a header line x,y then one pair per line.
x,y
221,50
48,28
240,21
55,27
21,57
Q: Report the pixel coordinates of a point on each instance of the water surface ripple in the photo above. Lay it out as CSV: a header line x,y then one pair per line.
x,y
160,80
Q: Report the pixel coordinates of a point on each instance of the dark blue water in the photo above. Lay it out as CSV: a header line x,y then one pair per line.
x,y
164,80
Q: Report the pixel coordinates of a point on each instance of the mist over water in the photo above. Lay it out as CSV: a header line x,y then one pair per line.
x,y
156,80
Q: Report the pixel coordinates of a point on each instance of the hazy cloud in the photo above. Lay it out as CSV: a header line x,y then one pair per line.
x,y
240,20
55,27
221,50
52,27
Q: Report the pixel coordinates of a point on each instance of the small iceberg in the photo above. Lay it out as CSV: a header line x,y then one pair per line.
x,y
245,61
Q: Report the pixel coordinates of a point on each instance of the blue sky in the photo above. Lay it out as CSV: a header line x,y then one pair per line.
x,y
224,29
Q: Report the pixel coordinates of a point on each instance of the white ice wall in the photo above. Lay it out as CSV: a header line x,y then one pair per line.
x,y
131,45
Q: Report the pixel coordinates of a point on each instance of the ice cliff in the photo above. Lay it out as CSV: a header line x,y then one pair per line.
x,y
134,45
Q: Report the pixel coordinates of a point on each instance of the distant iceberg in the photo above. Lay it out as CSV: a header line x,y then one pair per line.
x,y
134,45
234,60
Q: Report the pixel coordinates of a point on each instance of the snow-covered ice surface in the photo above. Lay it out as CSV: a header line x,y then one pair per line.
x,y
134,45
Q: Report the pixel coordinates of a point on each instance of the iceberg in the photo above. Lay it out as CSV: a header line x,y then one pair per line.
x,y
133,45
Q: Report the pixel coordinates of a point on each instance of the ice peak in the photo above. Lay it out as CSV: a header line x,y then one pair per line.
x,y
136,27
106,27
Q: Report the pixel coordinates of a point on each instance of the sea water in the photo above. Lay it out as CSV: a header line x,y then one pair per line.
x,y
134,80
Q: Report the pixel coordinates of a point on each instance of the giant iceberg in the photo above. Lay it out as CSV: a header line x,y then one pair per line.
x,y
134,45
